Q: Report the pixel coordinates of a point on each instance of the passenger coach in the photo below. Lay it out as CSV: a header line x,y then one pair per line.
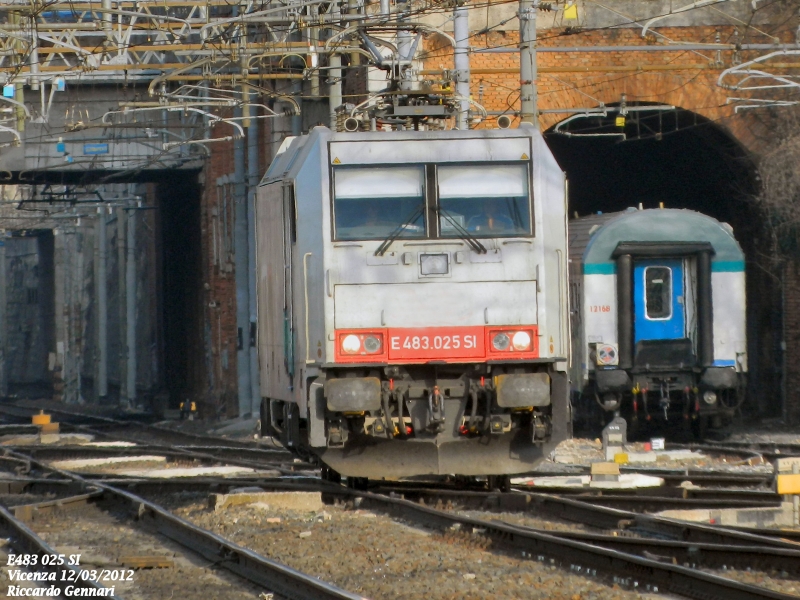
x,y
658,319
412,296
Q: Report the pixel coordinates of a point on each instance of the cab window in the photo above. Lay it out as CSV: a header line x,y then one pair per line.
x,y
373,202
484,200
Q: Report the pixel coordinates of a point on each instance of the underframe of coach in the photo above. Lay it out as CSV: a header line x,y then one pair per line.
x,y
662,380
702,400
394,420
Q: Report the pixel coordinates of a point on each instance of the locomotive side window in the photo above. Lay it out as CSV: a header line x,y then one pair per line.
x,y
373,202
486,200
658,292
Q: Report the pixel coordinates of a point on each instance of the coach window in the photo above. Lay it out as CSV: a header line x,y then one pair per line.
x,y
485,200
658,292
373,202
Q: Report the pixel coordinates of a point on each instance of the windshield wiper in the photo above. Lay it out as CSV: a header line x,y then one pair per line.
x,y
463,233
399,230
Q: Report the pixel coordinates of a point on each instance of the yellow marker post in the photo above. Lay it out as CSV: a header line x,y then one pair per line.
x,y
605,468
621,458
40,419
789,484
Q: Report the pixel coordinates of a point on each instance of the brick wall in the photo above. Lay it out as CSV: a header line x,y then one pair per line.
x,y
219,276
686,79
220,395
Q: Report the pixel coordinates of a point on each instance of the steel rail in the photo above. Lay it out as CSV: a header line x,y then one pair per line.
x,y
161,429
263,571
659,503
27,542
231,461
273,575
693,553
791,535
50,451
647,500
768,449
639,570
675,477
613,518
29,512
172,450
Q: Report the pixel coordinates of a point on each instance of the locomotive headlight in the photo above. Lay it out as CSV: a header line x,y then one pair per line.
x,y
709,397
521,340
372,344
501,341
351,344
434,264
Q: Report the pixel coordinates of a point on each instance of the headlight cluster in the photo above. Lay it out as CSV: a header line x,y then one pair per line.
x,y
361,343
709,397
511,341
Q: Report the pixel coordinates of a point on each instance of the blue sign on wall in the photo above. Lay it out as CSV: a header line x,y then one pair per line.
x,y
92,149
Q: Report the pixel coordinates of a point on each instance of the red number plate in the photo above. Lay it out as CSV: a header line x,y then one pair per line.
x,y
436,343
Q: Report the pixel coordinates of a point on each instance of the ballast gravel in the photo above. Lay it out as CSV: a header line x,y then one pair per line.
x,y
102,537
381,558
775,581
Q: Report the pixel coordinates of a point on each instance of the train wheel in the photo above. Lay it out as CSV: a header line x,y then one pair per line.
x,y
267,430
498,483
700,428
358,483
328,474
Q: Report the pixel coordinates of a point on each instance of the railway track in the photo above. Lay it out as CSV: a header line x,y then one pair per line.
x,y
161,440
769,450
668,563
248,566
624,546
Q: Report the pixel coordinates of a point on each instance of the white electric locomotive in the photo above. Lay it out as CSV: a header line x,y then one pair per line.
x,y
412,301
658,317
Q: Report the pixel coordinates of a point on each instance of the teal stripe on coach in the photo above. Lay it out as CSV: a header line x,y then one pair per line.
x,y
600,269
727,266
723,266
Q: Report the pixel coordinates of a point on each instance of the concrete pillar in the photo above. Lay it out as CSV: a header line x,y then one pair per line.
x,y
101,306
253,178
3,320
130,308
242,257
122,228
60,309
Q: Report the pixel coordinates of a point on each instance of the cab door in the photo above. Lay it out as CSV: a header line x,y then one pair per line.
x,y
658,305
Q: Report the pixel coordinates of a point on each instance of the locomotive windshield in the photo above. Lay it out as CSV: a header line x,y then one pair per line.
x,y
474,201
374,202
485,200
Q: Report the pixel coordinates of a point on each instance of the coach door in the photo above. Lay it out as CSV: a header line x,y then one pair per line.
x,y
659,311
